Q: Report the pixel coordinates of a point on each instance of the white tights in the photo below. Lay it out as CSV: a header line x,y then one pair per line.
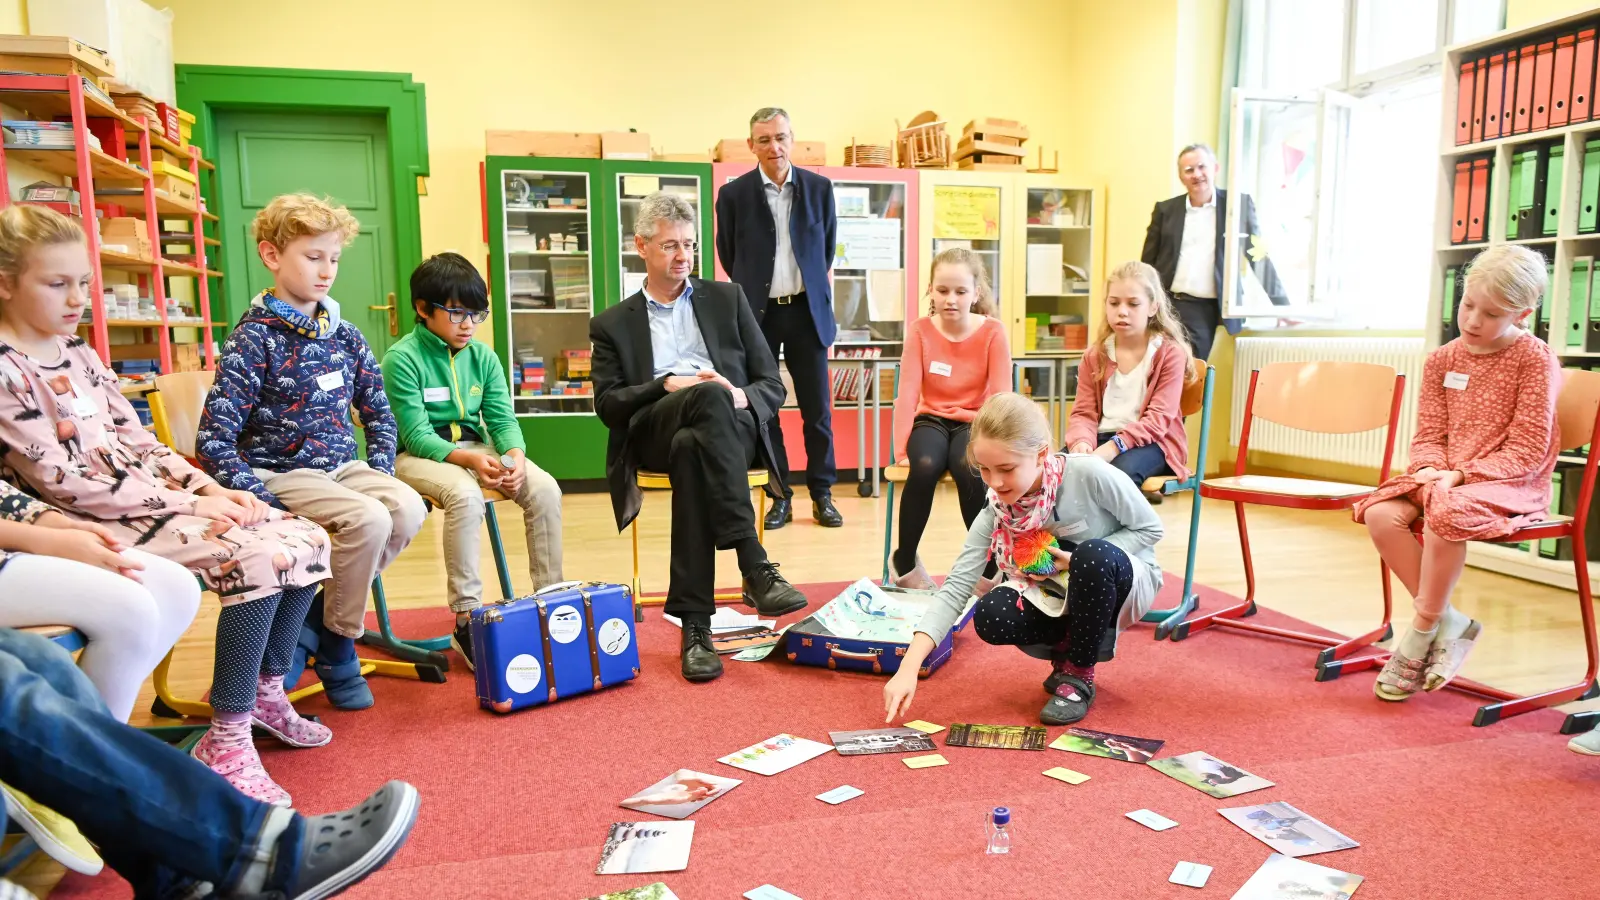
x,y
130,625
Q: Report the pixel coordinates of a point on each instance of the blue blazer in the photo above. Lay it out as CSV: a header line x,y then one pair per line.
x,y
747,241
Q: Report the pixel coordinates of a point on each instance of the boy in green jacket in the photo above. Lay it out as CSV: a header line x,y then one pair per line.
x,y
459,435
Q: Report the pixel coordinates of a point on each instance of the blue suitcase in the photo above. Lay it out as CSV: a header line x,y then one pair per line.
x,y
569,638
810,643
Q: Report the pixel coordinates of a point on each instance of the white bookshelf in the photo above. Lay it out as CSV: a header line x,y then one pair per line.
x,y
1565,246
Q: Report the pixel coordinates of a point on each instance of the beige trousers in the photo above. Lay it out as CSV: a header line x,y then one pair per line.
x,y
369,516
456,489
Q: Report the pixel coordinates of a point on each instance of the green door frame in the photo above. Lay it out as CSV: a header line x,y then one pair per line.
x,y
203,90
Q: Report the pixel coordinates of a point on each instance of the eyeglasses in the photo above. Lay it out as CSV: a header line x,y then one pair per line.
x,y
671,248
458,315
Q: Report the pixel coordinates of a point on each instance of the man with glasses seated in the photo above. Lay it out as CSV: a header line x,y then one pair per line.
x,y
685,381
459,434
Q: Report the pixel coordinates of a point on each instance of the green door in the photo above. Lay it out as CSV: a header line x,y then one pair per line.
x,y
344,157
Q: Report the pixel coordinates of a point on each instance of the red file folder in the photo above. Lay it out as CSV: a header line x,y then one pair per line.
x,y
1523,107
1583,76
1479,85
1561,86
1496,105
1543,63
1464,108
1461,202
1478,205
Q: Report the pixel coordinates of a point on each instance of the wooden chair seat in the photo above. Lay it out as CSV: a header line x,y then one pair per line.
x,y
897,474
660,481
1302,488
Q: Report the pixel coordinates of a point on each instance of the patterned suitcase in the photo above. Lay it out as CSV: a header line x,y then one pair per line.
x,y
809,643
569,638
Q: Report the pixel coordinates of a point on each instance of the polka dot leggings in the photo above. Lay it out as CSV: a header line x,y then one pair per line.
x,y
256,637
1099,579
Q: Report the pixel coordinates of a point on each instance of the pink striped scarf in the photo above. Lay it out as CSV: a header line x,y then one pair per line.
x,y
1028,514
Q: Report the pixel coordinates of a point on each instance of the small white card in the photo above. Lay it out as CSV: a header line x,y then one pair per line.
x,y
1455,381
330,381
840,794
1190,874
436,395
768,892
939,368
1152,821
84,407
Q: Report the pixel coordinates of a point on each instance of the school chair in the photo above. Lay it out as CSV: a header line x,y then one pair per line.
x,y
1330,398
1196,398
1578,423
427,650
893,475
659,481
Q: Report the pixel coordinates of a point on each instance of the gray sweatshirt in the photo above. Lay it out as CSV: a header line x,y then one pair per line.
x,y
1095,501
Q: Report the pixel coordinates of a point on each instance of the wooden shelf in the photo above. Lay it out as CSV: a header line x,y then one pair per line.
x,y
111,259
146,323
102,165
1527,137
184,237
134,390
46,96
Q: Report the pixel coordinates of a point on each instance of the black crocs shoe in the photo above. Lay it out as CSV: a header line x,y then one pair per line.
x,y
342,848
1070,703
461,641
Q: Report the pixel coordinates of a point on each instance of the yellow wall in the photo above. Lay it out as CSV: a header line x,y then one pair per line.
x,y
13,16
1522,13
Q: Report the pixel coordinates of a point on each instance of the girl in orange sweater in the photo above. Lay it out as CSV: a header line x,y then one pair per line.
x,y
1130,385
955,359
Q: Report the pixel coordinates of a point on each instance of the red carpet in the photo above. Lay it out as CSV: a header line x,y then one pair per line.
x,y
518,806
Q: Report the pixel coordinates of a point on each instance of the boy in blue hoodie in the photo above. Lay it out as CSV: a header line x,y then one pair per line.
x,y
277,423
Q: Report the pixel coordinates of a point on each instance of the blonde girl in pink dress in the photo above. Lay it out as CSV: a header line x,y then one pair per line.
x,y
1480,462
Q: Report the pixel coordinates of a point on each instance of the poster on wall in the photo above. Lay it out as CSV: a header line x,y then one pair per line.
x,y
867,244
966,213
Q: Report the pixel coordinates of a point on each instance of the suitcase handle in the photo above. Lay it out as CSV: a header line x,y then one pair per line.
x,y
558,586
875,658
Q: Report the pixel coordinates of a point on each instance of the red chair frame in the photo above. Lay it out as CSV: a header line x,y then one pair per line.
x,y
1335,648
1573,411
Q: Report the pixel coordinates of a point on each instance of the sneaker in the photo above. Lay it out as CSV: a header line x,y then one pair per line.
x,y
1587,743
342,848
461,641
238,763
54,833
279,719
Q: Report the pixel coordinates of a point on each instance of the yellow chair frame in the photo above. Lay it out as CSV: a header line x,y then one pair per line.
x,y
659,481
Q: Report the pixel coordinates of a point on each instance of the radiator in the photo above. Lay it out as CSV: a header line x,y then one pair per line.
x,y
1364,449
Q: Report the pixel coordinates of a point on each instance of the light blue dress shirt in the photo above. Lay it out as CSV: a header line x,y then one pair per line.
x,y
675,340
786,278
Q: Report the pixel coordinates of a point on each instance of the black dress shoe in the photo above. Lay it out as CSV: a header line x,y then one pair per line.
x,y
769,593
780,514
700,659
826,514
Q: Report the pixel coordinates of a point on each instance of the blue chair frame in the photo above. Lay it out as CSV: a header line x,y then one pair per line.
x,y
1168,619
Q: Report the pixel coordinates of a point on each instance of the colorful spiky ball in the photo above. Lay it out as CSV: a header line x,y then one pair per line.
x,y
1031,553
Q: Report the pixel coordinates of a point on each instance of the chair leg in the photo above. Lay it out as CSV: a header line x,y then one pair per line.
x,y
1247,608
1168,619
888,528
761,514
638,588
498,548
1581,722
422,652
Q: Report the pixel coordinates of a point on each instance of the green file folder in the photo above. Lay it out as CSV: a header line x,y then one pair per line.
x,y
1589,199
1578,302
1552,188
1524,171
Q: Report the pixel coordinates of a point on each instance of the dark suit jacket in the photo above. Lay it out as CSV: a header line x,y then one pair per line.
x,y
1164,239
747,241
624,385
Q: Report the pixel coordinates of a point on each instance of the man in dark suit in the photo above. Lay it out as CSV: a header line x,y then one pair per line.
x,y
684,380
1185,244
775,237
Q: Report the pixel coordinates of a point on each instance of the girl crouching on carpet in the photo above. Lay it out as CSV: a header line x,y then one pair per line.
x,y
1072,538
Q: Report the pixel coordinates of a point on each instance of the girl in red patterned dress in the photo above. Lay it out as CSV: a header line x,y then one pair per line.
x,y
1480,462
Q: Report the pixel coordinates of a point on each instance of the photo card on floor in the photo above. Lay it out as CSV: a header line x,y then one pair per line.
x,y
775,754
1108,745
680,794
880,740
1286,829
1206,773
1285,878
634,847
998,737
657,891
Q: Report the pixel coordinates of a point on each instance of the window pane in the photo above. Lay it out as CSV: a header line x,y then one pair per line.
x,y
1277,167
1391,31
1477,18
1293,45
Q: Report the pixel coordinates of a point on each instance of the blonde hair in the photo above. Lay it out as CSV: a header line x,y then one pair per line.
x,y
1513,274
983,305
289,216
1163,321
1012,420
24,227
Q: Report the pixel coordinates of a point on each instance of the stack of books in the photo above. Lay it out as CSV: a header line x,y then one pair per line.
x,y
23,134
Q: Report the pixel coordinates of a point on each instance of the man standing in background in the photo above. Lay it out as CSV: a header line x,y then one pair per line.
x,y
775,238
1185,244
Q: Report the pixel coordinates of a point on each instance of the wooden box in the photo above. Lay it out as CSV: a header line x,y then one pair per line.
x,y
809,153
564,144
703,156
186,357
97,62
624,145
176,188
733,150
993,128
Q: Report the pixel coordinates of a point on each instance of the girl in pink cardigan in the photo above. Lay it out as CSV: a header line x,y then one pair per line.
x,y
1130,383
955,359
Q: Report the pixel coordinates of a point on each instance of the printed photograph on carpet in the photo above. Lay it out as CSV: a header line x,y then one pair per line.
x,y
657,891
775,754
1108,745
880,740
634,847
1284,878
1205,772
996,737
680,794
1286,829
744,639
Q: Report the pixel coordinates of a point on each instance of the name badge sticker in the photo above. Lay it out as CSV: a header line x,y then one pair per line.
x,y
436,395
330,381
940,368
1455,381
84,407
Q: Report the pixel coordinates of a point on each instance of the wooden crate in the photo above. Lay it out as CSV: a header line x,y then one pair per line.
x,y
809,153
995,128
974,147
970,165
98,62
564,144
733,150
624,145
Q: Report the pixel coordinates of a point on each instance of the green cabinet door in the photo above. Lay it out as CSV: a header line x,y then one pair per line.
x,y
345,157
626,182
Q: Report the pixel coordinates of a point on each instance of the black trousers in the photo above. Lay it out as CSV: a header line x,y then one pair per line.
x,y
1139,463
792,335
936,445
706,447
1098,581
1200,317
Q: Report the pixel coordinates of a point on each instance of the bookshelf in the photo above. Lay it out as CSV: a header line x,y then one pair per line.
x,y
1541,194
